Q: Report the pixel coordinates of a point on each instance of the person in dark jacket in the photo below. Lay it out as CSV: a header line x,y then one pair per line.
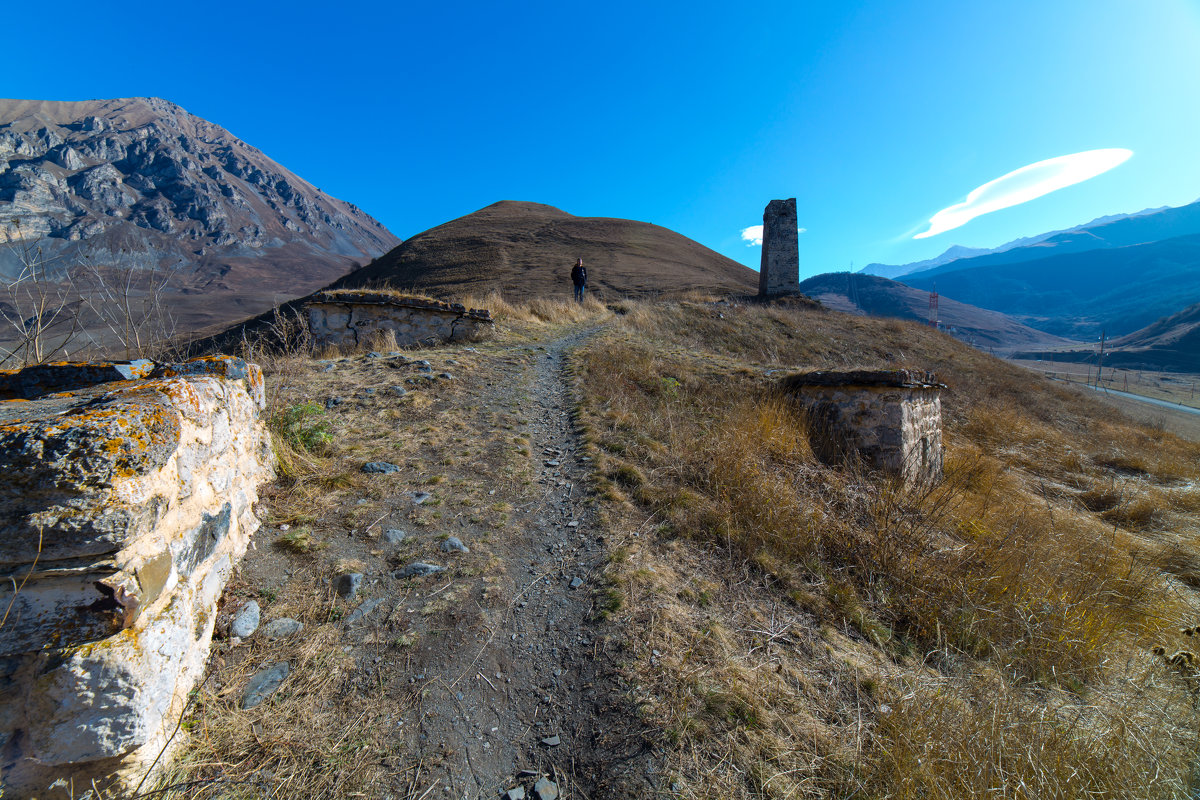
x,y
579,278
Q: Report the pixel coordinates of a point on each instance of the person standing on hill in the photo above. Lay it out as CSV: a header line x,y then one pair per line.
x,y
579,278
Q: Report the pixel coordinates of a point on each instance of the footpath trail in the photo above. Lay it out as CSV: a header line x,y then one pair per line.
x,y
494,673
519,693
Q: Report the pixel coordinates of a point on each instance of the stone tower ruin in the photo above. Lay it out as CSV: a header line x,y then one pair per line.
x,y
780,270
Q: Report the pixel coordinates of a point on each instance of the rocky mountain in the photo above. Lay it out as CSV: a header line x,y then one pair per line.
x,y
958,253
139,183
870,295
526,249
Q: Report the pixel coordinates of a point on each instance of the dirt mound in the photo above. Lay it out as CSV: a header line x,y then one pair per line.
x,y
525,249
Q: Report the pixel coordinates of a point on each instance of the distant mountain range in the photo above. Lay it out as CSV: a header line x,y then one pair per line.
x,y
1115,274
527,250
143,184
872,295
958,252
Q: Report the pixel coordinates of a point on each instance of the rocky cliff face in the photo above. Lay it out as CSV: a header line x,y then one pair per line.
x,y
142,183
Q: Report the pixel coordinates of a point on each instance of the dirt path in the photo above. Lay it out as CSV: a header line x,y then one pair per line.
x,y
496,671
530,699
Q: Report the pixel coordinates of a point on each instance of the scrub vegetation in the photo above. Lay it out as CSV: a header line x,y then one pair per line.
x,y
782,628
810,631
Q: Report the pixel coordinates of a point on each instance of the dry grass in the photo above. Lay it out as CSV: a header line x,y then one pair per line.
x,y
538,311
293,746
1004,623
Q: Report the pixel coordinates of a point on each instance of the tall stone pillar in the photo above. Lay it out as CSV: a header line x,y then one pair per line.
x,y
780,271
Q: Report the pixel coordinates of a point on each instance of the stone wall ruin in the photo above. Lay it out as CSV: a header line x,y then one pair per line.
x,y
350,318
126,498
779,272
891,420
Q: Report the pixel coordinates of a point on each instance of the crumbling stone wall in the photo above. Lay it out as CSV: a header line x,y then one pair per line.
x,y
890,419
779,272
350,318
126,498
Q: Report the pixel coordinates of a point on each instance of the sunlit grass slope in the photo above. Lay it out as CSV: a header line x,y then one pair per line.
x,y
797,630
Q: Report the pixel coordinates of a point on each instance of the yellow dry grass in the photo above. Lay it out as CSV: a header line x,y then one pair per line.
x,y
807,631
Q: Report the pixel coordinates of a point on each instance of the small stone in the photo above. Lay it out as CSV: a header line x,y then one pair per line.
x,y
334,402
394,536
454,545
553,462
573,523
284,626
380,467
526,774
576,583
399,391
347,584
417,569
265,683
356,616
516,793
327,368
246,622
422,363
545,789
420,497
552,741
369,391
446,376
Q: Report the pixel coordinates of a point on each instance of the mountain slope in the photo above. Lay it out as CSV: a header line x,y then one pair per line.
x,y
964,257
528,249
871,295
1171,344
140,183
1078,295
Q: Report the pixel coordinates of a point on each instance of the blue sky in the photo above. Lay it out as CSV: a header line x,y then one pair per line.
x,y
874,115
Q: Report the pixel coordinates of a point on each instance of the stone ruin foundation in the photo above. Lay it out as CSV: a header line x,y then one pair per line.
x,y
349,318
890,420
126,499
779,272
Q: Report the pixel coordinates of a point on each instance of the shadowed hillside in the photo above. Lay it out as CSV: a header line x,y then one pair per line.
x,y
857,293
1171,343
525,249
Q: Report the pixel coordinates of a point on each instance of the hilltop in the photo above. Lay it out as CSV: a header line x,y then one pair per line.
x,y
141,185
527,249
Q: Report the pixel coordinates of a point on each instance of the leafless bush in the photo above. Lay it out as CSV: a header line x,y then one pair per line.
x,y
40,311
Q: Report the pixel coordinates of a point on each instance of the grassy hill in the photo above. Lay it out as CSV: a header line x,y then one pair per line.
x,y
528,249
749,622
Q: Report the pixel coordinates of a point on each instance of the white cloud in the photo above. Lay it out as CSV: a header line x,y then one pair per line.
x,y
1025,184
753,235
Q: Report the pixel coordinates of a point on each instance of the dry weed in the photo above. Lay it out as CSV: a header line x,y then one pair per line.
x,y
931,594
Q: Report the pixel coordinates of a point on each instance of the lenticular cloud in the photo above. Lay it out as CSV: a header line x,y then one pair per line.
x,y
1025,184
